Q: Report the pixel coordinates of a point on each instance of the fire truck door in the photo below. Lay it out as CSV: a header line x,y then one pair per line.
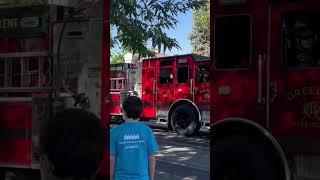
x,y
165,86
184,81
149,89
202,85
294,87
239,51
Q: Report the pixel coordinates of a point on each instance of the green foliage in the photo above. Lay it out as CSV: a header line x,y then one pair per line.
x,y
200,35
140,21
117,58
202,17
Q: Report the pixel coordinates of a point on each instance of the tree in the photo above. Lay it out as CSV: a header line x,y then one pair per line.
x,y
117,58
140,21
200,35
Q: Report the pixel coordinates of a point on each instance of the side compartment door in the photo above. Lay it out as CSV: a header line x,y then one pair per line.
x,y
202,89
165,86
240,47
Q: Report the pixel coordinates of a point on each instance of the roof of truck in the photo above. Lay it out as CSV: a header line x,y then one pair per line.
x,y
195,57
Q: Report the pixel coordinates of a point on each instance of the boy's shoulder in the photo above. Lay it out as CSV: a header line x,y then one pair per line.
x,y
145,126
116,128
123,126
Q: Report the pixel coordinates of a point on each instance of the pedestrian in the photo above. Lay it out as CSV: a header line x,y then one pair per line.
x,y
72,146
132,145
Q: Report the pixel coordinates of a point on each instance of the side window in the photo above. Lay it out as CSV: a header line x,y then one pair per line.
x,y
203,74
166,76
183,75
233,42
300,39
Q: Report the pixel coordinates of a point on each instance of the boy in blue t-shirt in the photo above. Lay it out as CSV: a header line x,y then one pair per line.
x,y
132,145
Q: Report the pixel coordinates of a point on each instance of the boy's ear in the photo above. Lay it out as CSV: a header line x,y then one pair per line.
x,y
124,114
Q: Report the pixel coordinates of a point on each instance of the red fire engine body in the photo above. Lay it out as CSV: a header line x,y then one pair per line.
x,y
30,91
265,89
174,90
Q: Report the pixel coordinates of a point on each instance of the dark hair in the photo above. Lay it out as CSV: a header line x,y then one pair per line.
x,y
132,106
74,142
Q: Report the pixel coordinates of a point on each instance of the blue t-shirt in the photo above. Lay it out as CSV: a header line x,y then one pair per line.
x,y
132,143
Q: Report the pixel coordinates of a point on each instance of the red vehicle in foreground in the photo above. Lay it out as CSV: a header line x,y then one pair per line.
x,y
265,89
174,90
41,72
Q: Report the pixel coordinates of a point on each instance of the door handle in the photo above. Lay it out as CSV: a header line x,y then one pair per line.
x,y
261,60
273,91
154,87
191,86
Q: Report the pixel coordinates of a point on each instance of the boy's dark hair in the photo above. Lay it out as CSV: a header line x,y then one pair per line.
x,y
74,141
132,106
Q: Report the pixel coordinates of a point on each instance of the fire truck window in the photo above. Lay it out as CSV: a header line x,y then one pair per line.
x,y
203,74
300,39
183,75
233,42
166,76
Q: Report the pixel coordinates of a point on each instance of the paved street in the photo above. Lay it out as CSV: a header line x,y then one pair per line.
x,y
186,158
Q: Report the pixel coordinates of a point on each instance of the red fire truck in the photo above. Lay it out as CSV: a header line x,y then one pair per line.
x,y
122,83
35,55
174,90
265,89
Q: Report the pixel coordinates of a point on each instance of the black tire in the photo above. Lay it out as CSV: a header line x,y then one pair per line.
x,y
2,174
240,158
184,120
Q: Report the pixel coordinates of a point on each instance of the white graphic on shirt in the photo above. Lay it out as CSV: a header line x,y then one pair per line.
x,y
131,137
131,141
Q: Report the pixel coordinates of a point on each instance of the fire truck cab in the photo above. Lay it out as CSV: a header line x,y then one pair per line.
x,y
174,90
265,89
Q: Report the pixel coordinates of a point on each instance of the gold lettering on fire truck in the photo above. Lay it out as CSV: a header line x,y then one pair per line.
x,y
312,110
305,91
310,118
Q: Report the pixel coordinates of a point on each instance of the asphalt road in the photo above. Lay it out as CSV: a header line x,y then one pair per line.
x,y
179,157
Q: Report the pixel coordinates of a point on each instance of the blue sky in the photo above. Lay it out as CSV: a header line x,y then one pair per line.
x,y
181,33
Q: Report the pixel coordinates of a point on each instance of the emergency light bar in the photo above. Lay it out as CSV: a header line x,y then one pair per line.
x,y
232,2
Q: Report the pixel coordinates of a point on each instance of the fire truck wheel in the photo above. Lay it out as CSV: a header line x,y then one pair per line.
x,y
2,174
240,158
184,120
